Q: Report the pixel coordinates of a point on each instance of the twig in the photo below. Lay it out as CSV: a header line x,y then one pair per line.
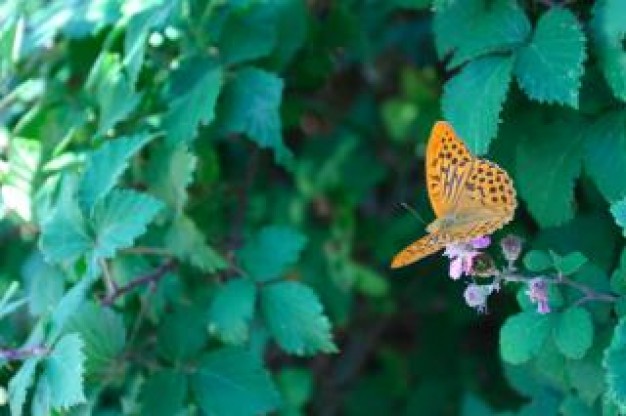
x,y
109,283
240,214
153,251
151,277
23,353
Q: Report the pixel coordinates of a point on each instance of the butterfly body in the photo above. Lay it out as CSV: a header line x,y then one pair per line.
x,y
471,197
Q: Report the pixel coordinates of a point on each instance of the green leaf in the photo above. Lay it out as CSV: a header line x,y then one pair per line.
x,y
537,261
605,154
64,370
231,382
573,406
20,383
271,251
473,405
182,334
295,318
608,27
115,229
471,29
104,335
249,33
232,310
587,375
547,170
615,364
170,172
194,96
573,332
618,209
291,30
45,284
250,106
522,336
116,99
570,263
187,242
296,387
618,278
549,69
105,166
41,403
163,393
473,99
17,186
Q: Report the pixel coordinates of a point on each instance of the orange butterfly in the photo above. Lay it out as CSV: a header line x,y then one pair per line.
x,y
471,197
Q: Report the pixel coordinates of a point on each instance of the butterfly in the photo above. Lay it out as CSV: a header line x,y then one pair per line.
x,y
471,197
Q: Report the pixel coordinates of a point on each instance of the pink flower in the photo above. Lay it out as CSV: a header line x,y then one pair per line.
x,y
538,293
476,296
462,255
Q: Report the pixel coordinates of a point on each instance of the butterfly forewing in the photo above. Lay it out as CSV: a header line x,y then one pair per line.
x,y
417,250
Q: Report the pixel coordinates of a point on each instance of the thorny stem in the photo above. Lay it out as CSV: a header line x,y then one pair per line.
x,y
19,354
110,285
151,277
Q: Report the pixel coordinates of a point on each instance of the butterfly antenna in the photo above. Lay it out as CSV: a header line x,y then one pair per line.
x,y
412,211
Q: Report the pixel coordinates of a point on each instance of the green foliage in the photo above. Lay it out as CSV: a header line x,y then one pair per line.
x,y
199,203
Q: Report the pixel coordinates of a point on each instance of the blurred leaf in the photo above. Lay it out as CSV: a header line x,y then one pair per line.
x,y
547,182
537,261
45,284
291,25
473,406
573,406
17,186
250,106
68,306
182,334
587,375
573,332
296,387
269,253
105,166
550,67
607,28
20,383
230,382
295,317
570,263
472,100
198,89
104,335
163,393
171,171
522,335
618,209
615,365
64,369
618,278
232,310
607,136
187,242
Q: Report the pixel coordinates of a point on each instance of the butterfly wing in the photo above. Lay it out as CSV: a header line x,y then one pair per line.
x,y
417,250
448,164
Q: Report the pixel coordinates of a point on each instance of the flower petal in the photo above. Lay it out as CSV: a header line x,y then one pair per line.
x,y
481,242
456,268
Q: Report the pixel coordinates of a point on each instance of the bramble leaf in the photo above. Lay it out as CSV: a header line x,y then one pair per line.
x,y
573,332
64,369
267,255
105,166
171,171
522,336
20,383
550,67
473,99
230,382
182,334
295,318
608,27
193,99
188,243
618,209
232,310
153,400
615,365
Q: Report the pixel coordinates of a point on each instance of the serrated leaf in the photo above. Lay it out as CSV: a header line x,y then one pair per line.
x,y
67,307
44,284
537,261
573,332
267,255
291,30
170,172
550,67
231,382
248,33
16,188
250,106
608,27
105,166
64,369
471,28
295,318
116,98
188,243
20,383
182,334
41,404
473,99
232,310
522,336
570,263
196,105
618,209
153,400
615,364
104,335
605,154
114,228
547,182
618,277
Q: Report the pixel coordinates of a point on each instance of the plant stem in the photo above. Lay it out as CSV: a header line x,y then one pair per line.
x,y
19,354
151,277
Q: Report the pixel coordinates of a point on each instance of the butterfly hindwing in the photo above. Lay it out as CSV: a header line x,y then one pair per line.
x,y
417,250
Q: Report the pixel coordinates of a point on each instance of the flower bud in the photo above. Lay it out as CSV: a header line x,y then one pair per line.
x,y
476,296
511,247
